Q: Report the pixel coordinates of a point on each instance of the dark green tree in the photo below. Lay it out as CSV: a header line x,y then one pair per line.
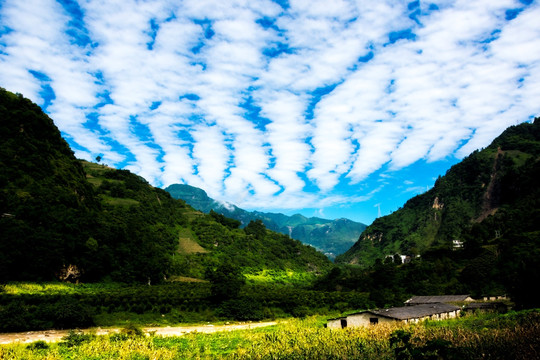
x,y
223,220
256,228
520,268
227,281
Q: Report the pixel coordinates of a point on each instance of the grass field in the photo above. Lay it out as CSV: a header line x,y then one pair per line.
x,y
118,201
269,276
512,336
187,243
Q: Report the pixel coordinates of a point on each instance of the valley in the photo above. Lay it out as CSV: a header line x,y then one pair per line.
x,y
85,245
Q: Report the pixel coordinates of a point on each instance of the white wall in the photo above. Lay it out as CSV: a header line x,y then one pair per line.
x,y
357,320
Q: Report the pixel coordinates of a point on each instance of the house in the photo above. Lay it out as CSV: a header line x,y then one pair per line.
x,y
457,244
418,300
404,258
407,314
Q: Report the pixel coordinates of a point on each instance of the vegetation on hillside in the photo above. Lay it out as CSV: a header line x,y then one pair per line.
x,y
489,203
494,185
332,237
78,221
47,209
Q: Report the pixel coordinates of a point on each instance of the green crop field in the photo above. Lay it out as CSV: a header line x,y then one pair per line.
x,y
511,336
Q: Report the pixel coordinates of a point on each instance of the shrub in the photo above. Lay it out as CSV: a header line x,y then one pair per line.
x,y
241,309
14,317
405,347
132,330
76,338
129,331
38,346
70,313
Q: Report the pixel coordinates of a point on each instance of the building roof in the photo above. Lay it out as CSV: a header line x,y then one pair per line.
x,y
437,299
413,312
485,305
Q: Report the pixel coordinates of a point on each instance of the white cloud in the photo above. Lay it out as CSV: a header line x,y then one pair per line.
x,y
211,156
188,91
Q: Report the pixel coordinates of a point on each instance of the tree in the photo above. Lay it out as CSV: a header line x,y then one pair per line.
x,y
227,281
256,228
520,260
223,220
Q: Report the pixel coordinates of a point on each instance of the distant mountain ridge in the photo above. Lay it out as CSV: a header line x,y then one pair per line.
x,y
490,195
332,237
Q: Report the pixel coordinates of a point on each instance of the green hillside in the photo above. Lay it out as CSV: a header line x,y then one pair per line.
x,y
73,220
477,231
493,190
47,207
332,237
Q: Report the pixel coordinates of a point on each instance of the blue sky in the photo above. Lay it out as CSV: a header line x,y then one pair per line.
x,y
328,108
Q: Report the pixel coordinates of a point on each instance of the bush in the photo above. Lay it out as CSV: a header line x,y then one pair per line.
x,y
14,317
70,313
76,338
38,346
241,309
406,348
132,330
300,311
127,332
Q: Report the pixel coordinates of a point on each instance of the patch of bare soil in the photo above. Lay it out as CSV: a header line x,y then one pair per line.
x,y
57,335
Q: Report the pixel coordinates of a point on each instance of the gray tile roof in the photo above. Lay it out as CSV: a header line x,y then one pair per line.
x,y
486,305
414,312
436,299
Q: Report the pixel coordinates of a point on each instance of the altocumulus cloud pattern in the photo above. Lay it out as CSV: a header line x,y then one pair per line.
x,y
275,104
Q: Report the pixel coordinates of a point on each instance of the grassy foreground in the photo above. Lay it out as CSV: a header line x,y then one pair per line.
x,y
510,336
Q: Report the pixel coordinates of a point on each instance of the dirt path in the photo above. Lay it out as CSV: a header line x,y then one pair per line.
x,y
57,335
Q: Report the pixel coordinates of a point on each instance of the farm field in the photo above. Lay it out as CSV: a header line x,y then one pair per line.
x,y
515,335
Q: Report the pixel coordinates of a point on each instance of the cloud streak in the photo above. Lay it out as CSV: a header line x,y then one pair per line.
x,y
298,104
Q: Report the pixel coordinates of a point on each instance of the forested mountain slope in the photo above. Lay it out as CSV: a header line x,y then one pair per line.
x,y
69,219
47,207
332,237
491,195
477,231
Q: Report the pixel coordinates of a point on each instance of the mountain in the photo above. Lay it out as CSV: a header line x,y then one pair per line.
x,y
332,237
63,218
477,231
46,204
490,196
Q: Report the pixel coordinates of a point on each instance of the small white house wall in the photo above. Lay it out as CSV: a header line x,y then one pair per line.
x,y
357,320
441,316
334,324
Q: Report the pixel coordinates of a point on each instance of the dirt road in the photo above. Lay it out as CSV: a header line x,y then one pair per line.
x,y
57,335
